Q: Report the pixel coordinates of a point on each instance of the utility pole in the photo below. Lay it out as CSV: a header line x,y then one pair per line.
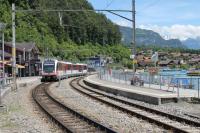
x,y
20,62
24,60
24,54
13,48
2,27
3,58
133,36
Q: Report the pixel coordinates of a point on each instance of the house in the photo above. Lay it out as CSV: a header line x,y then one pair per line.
x,y
145,62
27,59
185,54
165,63
194,61
175,55
140,57
177,62
94,62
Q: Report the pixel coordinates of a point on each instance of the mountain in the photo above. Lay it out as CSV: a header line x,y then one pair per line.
x,y
192,43
147,37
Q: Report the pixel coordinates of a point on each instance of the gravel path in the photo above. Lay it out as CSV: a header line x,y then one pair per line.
x,y
23,115
117,120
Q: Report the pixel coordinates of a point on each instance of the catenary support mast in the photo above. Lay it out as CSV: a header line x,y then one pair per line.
x,y
133,36
13,48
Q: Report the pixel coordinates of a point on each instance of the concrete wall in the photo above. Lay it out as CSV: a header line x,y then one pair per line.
x,y
140,97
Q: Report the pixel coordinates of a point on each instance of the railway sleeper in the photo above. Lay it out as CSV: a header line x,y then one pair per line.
x,y
139,113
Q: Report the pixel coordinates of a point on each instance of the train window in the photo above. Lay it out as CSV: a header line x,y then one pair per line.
x,y
71,67
74,67
66,68
63,67
59,66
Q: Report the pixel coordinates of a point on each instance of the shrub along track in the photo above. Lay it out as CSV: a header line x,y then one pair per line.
x,y
67,118
167,121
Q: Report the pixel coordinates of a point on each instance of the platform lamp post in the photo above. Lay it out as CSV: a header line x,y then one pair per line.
x,y
2,27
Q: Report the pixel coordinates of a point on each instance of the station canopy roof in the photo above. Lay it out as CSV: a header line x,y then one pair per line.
x,y
9,64
5,61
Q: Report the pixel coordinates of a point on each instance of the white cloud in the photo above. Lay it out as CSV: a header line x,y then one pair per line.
x,y
123,23
181,32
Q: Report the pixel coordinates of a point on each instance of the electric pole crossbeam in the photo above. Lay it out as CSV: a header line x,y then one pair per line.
x,y
71,10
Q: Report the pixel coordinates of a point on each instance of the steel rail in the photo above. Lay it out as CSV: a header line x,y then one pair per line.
x,y
171,116
37,93
35,97
165,125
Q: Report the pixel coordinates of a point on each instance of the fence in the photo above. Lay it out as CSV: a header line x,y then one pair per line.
x,y
179,83
5,82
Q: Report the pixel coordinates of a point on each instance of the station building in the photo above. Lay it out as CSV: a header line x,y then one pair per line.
x,y
96,62
27,59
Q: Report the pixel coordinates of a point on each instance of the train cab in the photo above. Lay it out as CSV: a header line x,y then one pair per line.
x,y
49,70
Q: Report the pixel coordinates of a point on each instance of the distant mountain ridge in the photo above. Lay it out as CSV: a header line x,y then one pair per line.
x,y
192,43
148,37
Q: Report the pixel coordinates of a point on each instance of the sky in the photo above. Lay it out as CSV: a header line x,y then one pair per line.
x,y
170,18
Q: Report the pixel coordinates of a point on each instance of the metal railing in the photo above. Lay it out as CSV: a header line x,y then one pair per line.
x,y
179,83
5,82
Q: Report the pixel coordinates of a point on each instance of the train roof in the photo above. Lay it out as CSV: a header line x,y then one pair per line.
x,y
81,64
65,62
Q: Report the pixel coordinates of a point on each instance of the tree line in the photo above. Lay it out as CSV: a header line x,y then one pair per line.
x,y
44,27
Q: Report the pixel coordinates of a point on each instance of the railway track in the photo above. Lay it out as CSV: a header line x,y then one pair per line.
x,y
70,120
167,121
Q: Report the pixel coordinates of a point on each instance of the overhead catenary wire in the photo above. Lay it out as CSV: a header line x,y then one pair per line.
x,y
121,16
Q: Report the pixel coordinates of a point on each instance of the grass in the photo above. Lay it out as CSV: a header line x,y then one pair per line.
x,y
14,108
8,124
5,116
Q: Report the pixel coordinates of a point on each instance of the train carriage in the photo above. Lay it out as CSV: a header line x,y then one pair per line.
x,y
55,70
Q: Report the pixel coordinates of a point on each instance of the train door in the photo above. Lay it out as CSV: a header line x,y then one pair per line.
x,y
66,69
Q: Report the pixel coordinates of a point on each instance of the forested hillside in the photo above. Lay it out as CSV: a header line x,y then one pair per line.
x,y
81,31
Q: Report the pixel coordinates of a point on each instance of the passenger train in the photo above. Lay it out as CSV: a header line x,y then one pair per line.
x,y
54,70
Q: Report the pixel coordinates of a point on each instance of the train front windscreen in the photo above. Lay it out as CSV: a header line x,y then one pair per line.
x,y
49,66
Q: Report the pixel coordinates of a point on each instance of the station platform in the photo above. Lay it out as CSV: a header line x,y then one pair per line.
x,y
149,95
24,81
21,82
